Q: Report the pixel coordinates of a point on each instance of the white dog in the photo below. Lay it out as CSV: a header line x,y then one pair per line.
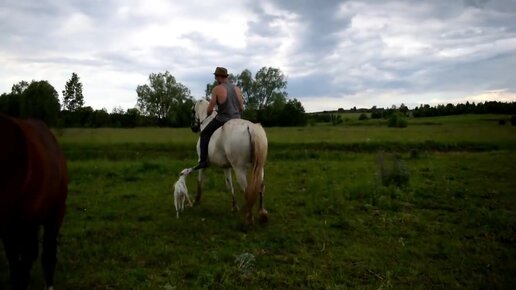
x,y
181,191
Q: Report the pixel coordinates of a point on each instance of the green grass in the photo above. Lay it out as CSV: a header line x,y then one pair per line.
x,y
332,225
467,128
459,132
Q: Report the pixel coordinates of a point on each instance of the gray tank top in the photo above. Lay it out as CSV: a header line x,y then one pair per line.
x,y
230,109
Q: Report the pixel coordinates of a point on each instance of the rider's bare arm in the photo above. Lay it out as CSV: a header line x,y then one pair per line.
x,y
240,98
213,101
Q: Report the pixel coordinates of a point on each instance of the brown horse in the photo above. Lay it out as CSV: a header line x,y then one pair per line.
x,y
33,190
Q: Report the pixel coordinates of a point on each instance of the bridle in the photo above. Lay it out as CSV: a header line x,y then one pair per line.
x,y
196,123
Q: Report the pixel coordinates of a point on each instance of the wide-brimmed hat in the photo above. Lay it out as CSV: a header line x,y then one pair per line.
x,y
221,71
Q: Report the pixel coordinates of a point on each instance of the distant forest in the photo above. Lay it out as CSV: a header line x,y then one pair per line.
x,y
163,101
39,99
491,107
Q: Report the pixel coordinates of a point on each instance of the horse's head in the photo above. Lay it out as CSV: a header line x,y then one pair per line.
x,y
199,112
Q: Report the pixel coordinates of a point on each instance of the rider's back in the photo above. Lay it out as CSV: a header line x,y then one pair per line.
x,y
228,104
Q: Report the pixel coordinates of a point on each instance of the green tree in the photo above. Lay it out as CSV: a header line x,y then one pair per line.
x,y
19,88
10,104
403,109
131,118
40,100
261,90
163,97
272,115
72,94
245,81
180,115
268,85
100,118
293,114
265,98
397,120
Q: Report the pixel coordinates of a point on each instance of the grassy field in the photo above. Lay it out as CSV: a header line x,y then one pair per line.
x,y
333,225
449,129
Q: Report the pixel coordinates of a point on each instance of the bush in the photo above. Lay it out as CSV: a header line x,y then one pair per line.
x,y
398,120
393,171
336,120
513,120
376,114
363,117
501,122
414,154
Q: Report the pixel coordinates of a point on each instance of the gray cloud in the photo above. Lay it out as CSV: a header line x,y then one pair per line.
x,y
339,52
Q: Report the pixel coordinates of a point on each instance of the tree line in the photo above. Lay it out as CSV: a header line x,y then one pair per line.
x,y
40,100
491,107
488,107
265,98
163,101
394,113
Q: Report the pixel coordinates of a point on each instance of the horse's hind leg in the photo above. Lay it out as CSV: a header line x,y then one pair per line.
x,y
263,214
229,184
49,257
21,246
262,192
242,181
199,188
241,178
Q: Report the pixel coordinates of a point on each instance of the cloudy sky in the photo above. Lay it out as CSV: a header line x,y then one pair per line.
x,y
334,53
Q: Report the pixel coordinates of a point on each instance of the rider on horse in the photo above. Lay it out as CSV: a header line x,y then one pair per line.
x,y
228,98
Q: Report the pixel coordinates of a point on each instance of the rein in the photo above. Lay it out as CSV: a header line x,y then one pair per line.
x,y
197,122
201,122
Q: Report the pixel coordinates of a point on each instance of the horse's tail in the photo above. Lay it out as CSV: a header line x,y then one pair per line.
x,y
258,156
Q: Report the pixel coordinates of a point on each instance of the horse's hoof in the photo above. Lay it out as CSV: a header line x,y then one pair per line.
x,y
263,216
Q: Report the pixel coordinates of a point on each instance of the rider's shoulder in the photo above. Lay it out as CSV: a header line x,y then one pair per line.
x,y
221,87
216,88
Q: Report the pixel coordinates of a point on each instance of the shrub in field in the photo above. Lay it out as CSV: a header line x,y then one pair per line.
x,y
336,120
501,122
414,154
312,122
397,120
513,120
376,114
362,117
393,171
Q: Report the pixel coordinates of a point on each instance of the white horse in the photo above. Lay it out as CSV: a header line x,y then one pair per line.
x,y
236,144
